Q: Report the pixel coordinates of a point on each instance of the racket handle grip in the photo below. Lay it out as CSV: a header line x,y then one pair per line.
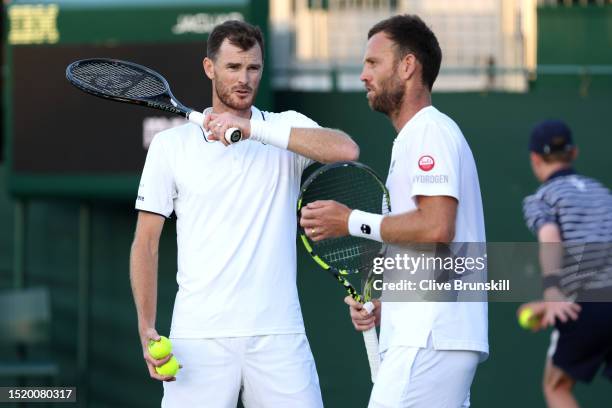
x,y
368,306
196,117
370,339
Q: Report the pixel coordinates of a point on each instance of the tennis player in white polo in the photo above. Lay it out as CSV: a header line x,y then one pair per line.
x,y
237,323
430,350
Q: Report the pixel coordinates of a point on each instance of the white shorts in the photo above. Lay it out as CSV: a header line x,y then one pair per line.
x,y
412,377
271,371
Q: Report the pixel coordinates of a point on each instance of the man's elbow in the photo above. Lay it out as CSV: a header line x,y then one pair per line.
x,y
354,152
349,152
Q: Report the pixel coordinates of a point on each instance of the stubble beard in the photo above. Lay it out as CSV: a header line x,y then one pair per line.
x,y
391,95
225,96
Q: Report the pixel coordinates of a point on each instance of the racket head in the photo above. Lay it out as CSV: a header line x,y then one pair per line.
x,y
358,187
124,81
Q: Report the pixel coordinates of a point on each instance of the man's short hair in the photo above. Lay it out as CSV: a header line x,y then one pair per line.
x,y
411,35
239,33
558,157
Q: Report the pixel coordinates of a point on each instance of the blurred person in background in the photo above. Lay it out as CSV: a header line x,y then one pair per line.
x,y
571,216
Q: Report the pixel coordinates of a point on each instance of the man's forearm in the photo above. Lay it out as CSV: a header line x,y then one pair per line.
x,y
415,226
143,278
551,260
432,221
322,144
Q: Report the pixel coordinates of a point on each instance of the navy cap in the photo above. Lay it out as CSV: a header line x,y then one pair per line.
x,y
551,136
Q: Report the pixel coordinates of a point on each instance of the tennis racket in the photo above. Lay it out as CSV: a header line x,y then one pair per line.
x,y
357,186
123,81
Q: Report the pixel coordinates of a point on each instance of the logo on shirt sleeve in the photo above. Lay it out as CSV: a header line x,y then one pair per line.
x,y
426,163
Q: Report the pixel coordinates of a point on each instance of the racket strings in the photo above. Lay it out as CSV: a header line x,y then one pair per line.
x,y
344,254
118,80
358,189
148,87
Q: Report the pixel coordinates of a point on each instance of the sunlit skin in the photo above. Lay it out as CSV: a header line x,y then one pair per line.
x,y
235,76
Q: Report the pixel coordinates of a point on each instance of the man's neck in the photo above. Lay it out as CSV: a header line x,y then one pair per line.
x,y
220,107
413,102
554,169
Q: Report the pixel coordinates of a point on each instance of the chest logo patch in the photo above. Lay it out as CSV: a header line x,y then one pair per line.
x,y
426,163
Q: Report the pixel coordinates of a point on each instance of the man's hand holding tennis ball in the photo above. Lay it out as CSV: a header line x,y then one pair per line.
x,y
157,352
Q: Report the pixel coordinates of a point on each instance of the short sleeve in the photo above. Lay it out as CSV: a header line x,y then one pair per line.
x,y
435,163
297,120
157,189
537,212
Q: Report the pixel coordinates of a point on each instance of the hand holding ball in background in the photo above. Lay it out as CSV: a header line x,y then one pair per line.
x,y
536,316
527,319
530,315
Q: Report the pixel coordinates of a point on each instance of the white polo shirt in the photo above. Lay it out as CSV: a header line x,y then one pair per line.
x,y
236,229
432,158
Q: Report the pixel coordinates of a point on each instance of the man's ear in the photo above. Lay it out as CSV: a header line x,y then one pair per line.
x,y
536,159
408,66
209,68
575,152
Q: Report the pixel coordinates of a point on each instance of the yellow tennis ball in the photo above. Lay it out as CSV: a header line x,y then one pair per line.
x,y
170,368
161,348
527,320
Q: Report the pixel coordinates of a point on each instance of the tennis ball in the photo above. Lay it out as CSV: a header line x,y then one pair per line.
x,y
527,320
170,368
161,348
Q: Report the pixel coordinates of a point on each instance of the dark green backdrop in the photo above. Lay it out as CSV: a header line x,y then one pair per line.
x,y
496,126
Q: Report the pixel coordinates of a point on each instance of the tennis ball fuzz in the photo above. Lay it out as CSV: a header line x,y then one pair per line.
x,y
170,368
161,348
527,320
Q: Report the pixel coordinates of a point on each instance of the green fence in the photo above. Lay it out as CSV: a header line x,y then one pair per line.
x,y
495,124
575,35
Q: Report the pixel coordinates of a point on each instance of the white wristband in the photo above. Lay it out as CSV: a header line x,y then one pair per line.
x,y
365,225
275,135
